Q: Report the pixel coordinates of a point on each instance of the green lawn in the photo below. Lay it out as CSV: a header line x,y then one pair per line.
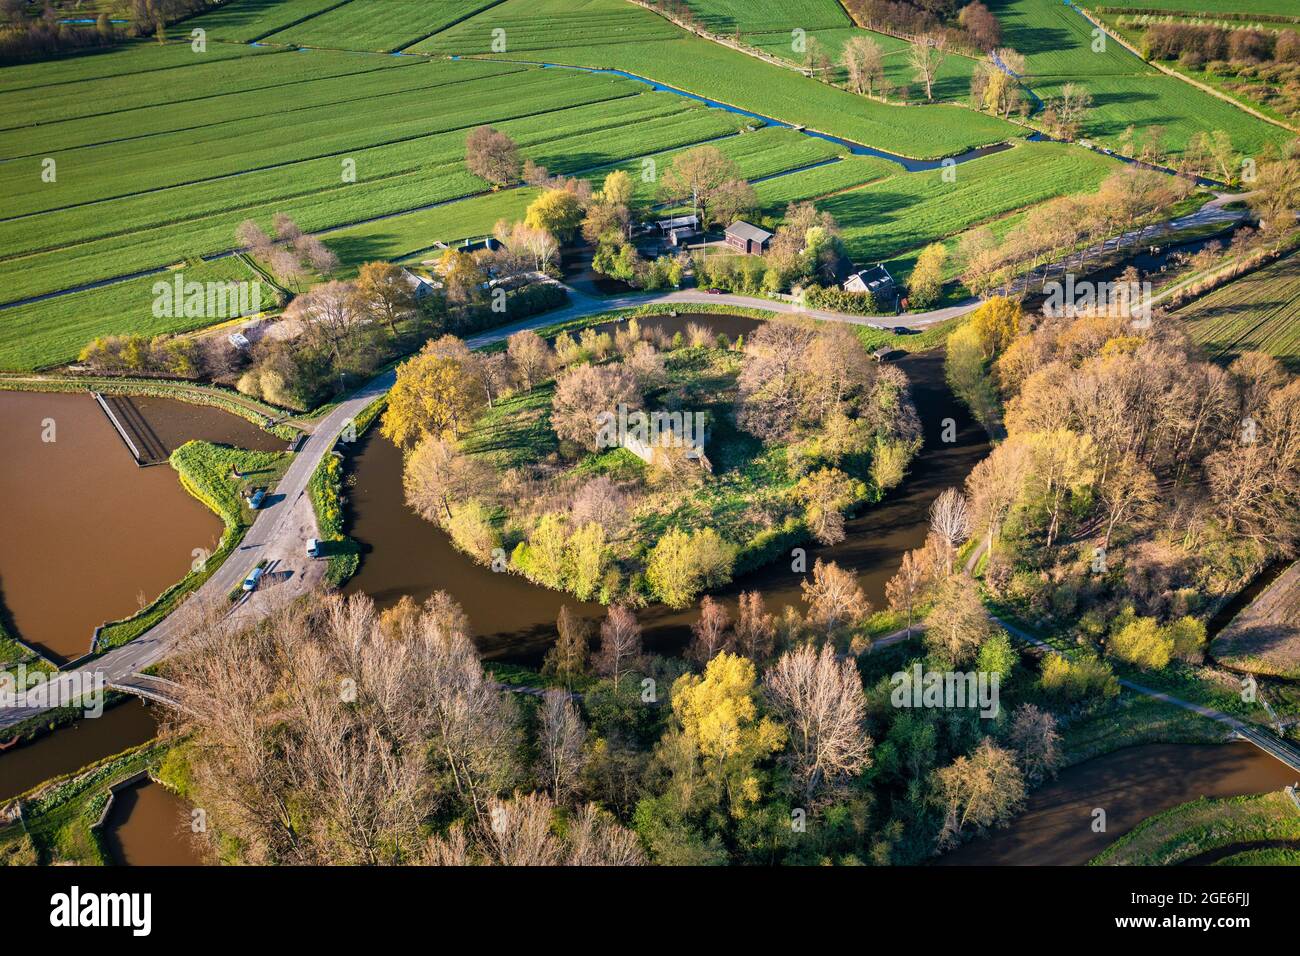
x,y
378,25
597,33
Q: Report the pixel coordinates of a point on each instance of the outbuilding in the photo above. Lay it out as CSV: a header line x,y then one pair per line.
x,y
748,238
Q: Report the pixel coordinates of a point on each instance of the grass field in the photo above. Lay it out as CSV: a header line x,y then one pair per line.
x,y
251,20
746,16
1059,47
1205,825
598,33
1257,313
53,331
905,211
378,25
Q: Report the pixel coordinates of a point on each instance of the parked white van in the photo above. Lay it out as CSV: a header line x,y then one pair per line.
x,y
313,548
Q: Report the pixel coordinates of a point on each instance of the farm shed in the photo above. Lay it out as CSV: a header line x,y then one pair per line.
x,y
748,238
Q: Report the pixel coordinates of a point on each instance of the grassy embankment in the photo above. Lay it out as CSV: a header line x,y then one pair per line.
x,y
60,817
1185,832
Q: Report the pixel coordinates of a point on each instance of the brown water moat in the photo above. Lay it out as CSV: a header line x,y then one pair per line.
x,y
514,620
1130,785
150,826
89,536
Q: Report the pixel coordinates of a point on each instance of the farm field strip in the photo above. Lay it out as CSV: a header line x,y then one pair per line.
x,y
106,130
1161,100
709,69
1057,42
55,330
378,25
327,202
906,211
129,167
136,58
823,181
250,20
189,86
393,131
539,24
746,16
1259,312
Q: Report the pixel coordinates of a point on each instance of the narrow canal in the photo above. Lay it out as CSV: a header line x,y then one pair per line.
x,y
515,621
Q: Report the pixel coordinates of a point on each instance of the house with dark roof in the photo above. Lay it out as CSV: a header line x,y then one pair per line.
x,y
747,238
877,281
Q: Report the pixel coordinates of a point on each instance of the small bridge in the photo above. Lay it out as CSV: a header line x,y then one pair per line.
x,y
135,431
1273,745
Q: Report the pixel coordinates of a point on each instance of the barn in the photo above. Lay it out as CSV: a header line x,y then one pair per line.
x,y
748,238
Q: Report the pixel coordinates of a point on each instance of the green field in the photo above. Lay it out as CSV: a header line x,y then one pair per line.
x,y
908,210
748,16
1257,313
378,25
53,331
1058,45
599,34
251,20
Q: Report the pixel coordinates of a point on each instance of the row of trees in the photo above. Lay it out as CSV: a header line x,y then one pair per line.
x,y
1194,45
336,733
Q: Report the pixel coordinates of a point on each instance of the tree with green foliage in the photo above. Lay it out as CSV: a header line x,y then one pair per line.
x,y
684,563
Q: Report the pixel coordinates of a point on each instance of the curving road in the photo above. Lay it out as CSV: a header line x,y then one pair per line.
x,y
280,533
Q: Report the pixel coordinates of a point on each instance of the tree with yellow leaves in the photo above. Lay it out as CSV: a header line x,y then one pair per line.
x,y
997,323
718,738
558,211
433,395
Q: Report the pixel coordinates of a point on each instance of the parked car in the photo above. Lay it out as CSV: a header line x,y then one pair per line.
x,y
256,498
313,548
239,340
254,578
713,291
902,330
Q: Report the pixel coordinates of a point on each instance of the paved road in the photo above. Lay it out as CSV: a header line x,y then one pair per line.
x,y
280,533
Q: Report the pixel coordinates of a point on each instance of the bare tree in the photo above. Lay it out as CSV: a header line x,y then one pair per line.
x,y
710,630
620,644
819,699
926,55
755,628
560,738
531,357
950,522
1035,739
864,62
438,474
835,599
